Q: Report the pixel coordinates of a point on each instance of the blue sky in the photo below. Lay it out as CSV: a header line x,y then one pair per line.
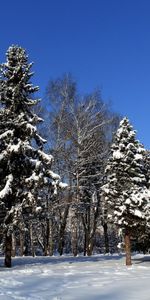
x,y
103,43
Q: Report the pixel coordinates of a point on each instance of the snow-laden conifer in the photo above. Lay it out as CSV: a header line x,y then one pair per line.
x,y
24,167
127,187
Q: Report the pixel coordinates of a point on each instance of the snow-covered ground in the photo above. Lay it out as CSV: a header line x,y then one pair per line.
x,y
68,278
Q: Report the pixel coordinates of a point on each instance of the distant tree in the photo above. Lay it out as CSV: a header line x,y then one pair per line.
x,y
24,167
89,123
82,132
127,186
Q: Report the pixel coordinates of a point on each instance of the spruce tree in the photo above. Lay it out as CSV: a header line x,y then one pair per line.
x,y
24,167
126,189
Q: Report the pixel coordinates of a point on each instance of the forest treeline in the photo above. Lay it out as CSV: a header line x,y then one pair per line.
x,y
77,182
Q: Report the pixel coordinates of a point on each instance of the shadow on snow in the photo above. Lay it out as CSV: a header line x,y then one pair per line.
x,y
38,260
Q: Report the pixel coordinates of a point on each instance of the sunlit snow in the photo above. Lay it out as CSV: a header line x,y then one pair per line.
x,y
7,189
117,154
82,278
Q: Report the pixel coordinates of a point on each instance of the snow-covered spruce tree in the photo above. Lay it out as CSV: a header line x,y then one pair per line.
x,y
126,189
24,167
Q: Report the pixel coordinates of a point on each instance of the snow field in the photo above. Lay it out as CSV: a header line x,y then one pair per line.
x,y
81,278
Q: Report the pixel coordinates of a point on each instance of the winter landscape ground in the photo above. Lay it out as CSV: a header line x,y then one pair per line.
x,y
68,278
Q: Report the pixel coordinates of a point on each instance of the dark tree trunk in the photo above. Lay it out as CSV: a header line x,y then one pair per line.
x,y
46,240
88,237
128,247
74,238
51,241
8,250
32,241
106,240
61,246
90,227
13,252
62,231
8,238
88,244
90,247
85,243
21,240
26,242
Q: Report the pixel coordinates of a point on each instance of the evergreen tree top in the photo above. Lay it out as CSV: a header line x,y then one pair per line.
x,y
16,56
125,142
15,86
124,128
127,180
24,167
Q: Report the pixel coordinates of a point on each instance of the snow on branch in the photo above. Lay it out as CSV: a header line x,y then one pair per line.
x,y
117,155
14,148
3,155
35,119
47,158
31,128
63,185
7,189
53,175
8,133
34,177
40,139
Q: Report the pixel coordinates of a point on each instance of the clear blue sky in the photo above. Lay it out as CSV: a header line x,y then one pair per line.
x,y
103,43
